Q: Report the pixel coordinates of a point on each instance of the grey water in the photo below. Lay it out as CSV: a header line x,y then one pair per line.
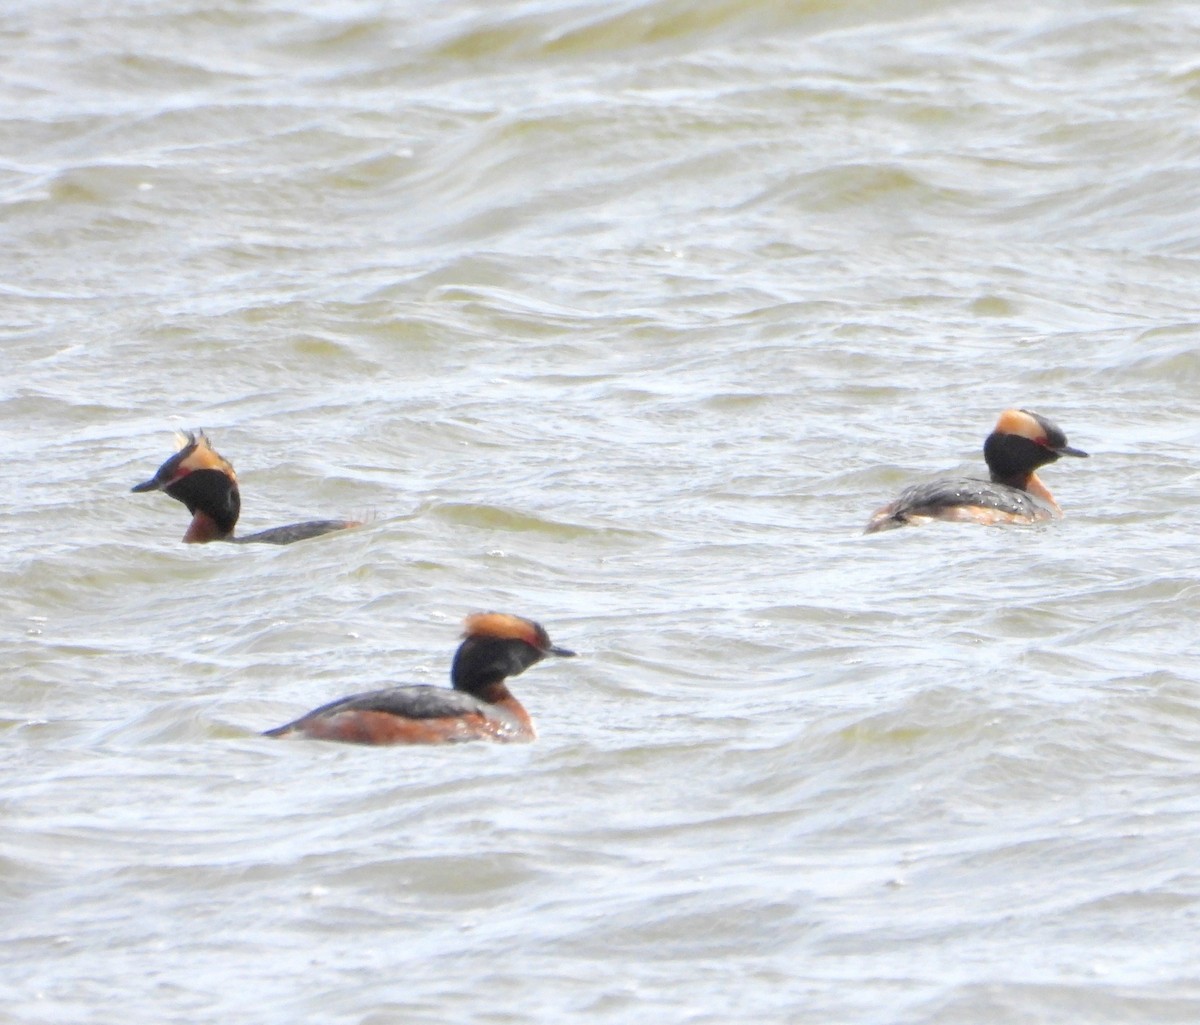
x,y
623,317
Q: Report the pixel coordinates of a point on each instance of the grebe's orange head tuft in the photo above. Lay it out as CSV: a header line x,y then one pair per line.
x,y
1024,423
1019,422
497,645
195,453
505,627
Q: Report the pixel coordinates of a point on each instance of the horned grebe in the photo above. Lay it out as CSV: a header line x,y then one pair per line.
x,y
479,707
1020,443
205,482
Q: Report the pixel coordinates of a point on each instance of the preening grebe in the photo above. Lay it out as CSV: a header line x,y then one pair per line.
x,y
1020,443
479,707
205,482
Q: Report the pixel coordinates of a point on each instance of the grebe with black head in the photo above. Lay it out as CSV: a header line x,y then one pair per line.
x,y
1021,442
479,705
205,482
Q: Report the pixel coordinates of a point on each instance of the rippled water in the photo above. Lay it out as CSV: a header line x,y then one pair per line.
x,y
624,317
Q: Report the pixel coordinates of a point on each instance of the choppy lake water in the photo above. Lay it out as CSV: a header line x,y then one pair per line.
x,y
623,317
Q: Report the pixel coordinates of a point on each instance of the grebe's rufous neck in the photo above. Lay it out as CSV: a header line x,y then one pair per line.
x,y
1021,442
479,706
205,482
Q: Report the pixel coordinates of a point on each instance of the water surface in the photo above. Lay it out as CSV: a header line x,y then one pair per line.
x,y
623,317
